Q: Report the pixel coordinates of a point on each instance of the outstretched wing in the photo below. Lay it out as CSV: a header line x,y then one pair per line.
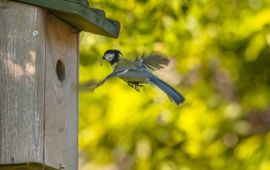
x,y
154,61
92,85
110,76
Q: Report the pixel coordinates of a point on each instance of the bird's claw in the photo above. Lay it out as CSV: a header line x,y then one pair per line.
x,y
137,86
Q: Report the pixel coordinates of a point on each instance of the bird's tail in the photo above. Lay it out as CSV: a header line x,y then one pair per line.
x,y
174,95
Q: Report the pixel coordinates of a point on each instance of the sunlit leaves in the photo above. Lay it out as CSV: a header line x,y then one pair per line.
x,y
219,54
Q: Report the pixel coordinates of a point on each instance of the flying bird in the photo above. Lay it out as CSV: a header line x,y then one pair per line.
x,y
139,72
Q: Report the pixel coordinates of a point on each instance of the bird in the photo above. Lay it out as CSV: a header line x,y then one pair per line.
x,y
139,71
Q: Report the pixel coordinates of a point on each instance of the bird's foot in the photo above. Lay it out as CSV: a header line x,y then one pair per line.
x,y
136,85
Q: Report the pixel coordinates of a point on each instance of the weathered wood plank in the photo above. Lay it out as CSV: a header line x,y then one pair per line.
x,y
61,95
22,60
26,166
38,109
80,16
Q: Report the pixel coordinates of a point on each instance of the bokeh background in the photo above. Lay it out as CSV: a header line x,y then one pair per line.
x,y
220,61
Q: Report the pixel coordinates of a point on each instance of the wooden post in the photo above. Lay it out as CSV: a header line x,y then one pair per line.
x,y
38,89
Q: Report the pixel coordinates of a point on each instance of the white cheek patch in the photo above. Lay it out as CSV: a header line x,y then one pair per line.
x,y
109,57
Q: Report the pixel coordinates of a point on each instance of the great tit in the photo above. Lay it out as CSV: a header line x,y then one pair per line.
x,y
139,71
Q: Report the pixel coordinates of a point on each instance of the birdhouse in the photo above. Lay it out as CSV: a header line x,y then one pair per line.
x,y
39,60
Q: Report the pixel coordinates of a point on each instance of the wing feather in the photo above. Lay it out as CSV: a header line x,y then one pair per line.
x,y
154,61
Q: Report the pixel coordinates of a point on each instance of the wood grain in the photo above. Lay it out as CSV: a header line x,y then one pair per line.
x,y
22,61
26,166
38,112
61,124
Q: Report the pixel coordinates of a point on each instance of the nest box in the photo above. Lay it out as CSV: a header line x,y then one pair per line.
x,y
39,60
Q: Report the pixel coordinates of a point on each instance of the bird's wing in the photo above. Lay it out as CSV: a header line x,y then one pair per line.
x,y
153,61
92,84
110,76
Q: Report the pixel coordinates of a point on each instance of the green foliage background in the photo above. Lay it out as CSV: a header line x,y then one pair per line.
x,y
220,61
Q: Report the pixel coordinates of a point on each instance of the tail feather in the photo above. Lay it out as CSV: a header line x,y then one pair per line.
x,y
174,95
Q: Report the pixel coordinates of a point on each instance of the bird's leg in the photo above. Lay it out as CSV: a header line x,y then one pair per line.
x,y
136,85
131,85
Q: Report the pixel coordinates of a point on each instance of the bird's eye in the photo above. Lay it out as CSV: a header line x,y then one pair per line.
x,y
109,57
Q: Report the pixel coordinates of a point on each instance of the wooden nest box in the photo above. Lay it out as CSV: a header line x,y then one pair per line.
x,y
39,59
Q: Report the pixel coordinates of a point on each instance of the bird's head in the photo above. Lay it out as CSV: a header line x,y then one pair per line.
x,y
112,56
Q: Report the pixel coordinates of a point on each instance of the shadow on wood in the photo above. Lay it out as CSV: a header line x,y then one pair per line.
x,y
38,112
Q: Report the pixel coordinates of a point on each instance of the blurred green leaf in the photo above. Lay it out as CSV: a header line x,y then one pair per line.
x,y
219,59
